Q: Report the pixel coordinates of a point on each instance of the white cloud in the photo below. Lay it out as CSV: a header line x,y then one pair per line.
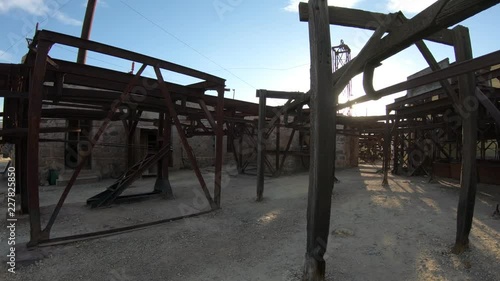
x,y
408,6
42,8
293,5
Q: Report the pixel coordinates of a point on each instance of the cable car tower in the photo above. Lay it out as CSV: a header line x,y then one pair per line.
x,y
342,56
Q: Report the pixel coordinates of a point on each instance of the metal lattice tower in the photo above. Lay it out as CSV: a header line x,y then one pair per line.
x,y
341,56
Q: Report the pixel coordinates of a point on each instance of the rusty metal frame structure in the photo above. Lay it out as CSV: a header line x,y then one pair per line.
x,y
101,95
431,24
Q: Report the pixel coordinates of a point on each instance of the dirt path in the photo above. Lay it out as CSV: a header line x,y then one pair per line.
x,y
402,232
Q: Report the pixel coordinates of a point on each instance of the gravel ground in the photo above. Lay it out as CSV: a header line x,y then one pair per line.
x,y
401,232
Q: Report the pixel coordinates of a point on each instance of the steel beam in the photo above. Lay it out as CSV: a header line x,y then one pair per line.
x,y
219,142
86,27
34,117
124,54
261,146
173,114
94,140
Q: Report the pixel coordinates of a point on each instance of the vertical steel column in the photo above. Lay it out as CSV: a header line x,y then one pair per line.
x,y
468,179
323,130
395,135
219,142
278,148
189,151
387,148
87,26
162,183
261,146
34,117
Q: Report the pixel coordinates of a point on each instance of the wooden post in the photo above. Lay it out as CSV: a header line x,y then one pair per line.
x,y
219,152
468,179
34,116
261,146
323,126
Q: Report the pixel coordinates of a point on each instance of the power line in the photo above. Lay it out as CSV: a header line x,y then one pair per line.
x,y
269,68
186,44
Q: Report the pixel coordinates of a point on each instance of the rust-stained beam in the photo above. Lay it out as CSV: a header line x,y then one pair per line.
x,y
34,117
68,40
20,132
173,114
208,114
261,146
95,139
219,152
86,27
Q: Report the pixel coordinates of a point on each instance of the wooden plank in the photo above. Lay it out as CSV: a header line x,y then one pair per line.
x,y
368,20
281,94
468,178
323,122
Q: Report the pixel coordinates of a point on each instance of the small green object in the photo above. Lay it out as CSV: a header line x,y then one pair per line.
x,y
53,176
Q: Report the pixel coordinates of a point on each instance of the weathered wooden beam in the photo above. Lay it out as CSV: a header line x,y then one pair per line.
x,y
261,146
438,16
368,20
323,122
488,104
282,94
456,69
468,179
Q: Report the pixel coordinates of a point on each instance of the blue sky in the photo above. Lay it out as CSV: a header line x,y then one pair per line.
x,y
253,44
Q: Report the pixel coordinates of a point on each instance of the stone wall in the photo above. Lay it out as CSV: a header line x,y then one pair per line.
x,y
106,158
51,154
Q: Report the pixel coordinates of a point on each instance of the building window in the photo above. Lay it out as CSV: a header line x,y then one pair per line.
x,y
78,144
